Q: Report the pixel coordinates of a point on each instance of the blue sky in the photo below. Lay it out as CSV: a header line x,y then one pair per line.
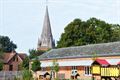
x,y
22,20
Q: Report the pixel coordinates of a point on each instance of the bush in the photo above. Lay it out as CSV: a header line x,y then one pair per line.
x,y
36,65
1,66
27,75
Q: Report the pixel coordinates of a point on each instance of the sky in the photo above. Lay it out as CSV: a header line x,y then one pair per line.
x,y
22,20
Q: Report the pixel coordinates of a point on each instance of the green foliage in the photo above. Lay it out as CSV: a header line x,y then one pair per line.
x,y
55,66
1,66
91,31
17,78
34,53
6,45
94,56
36,65
1,54
27,75
25,63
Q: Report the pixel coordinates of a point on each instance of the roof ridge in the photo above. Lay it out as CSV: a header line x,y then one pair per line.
x,y
13,54
87,45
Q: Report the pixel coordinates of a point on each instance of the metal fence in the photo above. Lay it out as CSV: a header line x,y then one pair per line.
x,y
10,75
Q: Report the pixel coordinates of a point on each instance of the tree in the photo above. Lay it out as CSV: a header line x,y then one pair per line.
x,y
116,30
25,63
6,45
55,67
34,53
36,65
92,31
1,54
1,66
95,56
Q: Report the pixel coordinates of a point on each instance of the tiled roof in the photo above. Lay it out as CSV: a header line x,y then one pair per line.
x,y
9,56
103,49
22,55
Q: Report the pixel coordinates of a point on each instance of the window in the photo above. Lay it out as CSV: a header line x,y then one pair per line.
x,y
87,70
13,58
16,58
61,76
43,69
74,67
10,67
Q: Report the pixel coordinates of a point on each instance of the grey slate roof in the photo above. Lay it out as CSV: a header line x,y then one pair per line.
x,y
103,49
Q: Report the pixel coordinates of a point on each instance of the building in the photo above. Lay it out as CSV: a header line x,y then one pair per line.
x,y
46,41
12,61
75,62
104,70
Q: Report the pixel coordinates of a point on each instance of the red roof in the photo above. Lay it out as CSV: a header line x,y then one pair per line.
x,y
118,63
102,62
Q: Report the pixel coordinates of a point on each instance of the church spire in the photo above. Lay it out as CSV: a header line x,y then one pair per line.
x,y
46,41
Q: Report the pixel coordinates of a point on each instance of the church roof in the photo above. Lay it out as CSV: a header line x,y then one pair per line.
x,y
103,49
46,40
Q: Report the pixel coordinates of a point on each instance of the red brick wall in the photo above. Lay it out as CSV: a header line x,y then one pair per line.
x,y
15,64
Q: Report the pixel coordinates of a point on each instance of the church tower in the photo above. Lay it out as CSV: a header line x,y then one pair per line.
x,y
46,41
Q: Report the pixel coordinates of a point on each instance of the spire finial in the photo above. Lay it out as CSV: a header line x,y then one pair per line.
x,y
46,2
